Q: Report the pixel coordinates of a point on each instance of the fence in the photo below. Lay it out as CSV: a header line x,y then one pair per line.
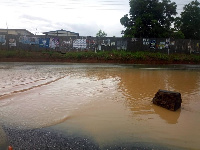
x,y
80,43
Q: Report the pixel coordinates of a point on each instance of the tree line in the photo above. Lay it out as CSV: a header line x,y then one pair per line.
x,y
157,19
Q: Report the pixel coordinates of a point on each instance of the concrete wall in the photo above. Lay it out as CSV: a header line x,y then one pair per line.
x,y
66,44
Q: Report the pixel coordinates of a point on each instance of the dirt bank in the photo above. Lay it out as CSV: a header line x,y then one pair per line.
x,y
96,61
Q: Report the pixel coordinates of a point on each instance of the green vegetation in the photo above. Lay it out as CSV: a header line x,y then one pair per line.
x,y
101,33
188,22
144,21
114,56
14,54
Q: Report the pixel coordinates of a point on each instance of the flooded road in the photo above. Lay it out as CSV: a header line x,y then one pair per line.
x,y
107,104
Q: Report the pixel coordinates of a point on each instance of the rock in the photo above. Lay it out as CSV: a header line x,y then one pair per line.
x,y
168,99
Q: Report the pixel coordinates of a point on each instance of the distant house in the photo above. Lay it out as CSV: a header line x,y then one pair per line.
x,y
15,32
60,33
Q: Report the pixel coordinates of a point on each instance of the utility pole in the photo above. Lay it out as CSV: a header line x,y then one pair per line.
x,y
7,39
36,31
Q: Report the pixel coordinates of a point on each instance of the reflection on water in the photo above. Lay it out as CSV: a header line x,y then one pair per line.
x,y
171,117
111,103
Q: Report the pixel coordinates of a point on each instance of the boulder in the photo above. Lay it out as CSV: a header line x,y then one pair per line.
x,y
168,99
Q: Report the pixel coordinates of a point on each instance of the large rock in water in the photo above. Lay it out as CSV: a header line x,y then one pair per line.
x,y
168,99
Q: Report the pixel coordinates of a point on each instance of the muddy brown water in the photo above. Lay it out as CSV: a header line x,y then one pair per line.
x,y
108,102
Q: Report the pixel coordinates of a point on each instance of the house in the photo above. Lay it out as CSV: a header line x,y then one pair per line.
x,y
15,32
60,33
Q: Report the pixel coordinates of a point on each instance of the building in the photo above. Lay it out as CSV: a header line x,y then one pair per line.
x,y
60,33
15,32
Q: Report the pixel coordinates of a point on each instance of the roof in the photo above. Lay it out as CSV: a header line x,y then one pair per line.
x,y
61,33
17,30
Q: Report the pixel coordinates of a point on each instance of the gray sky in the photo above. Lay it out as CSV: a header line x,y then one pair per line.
x,y
85,17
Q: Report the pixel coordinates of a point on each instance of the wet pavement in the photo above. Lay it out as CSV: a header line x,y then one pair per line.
x,y
49,139
46,139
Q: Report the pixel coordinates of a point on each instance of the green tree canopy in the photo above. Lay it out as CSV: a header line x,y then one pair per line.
x,y
189,21
149,18
101,33
177,35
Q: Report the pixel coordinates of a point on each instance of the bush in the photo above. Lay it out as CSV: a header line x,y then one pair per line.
x,y
100,55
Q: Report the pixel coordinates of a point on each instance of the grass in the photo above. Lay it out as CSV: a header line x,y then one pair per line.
x,y
115,55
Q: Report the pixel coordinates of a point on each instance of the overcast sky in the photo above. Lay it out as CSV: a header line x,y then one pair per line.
x,y
85,17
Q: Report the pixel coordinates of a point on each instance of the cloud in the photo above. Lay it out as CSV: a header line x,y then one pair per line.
x,y
84,17
34,18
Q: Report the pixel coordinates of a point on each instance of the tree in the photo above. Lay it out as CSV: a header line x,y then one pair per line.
x,y
177,35
189,21
101,33
149,18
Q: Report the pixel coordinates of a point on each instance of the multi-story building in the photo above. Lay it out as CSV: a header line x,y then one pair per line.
x,y
16,32
60,33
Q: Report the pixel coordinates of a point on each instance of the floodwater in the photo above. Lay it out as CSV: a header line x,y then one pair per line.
x,y
109,103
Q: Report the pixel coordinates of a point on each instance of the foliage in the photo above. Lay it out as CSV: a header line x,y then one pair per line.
x,y
101,33
100,56
177,35
149,18
189,21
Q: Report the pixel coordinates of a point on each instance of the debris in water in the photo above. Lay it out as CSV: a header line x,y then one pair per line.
x,y
168,99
